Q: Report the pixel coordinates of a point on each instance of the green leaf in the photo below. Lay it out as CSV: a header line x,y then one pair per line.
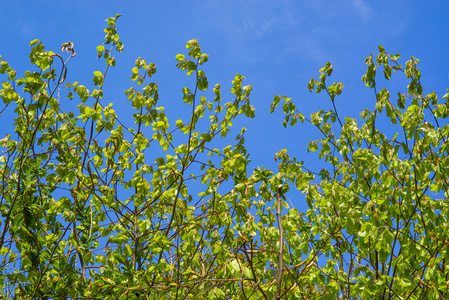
x,y
34,42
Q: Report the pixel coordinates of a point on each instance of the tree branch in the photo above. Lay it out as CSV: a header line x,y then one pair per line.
x,y
281,244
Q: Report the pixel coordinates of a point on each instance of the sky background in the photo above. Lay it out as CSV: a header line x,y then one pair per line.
x,y
277,45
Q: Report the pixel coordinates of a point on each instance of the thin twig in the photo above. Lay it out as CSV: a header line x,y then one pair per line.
x,y
281,243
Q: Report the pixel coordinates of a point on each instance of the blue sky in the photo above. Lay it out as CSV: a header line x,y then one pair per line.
x,y
277,45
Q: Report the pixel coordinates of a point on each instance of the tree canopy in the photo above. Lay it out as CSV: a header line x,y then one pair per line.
x,y
94,209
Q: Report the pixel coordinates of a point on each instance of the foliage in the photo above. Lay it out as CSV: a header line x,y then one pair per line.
x,y
91,208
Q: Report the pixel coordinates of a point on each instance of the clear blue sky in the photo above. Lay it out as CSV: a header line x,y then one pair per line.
x,y
277,45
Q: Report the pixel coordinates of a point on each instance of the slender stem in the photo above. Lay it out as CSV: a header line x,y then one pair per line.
x,y
281,243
